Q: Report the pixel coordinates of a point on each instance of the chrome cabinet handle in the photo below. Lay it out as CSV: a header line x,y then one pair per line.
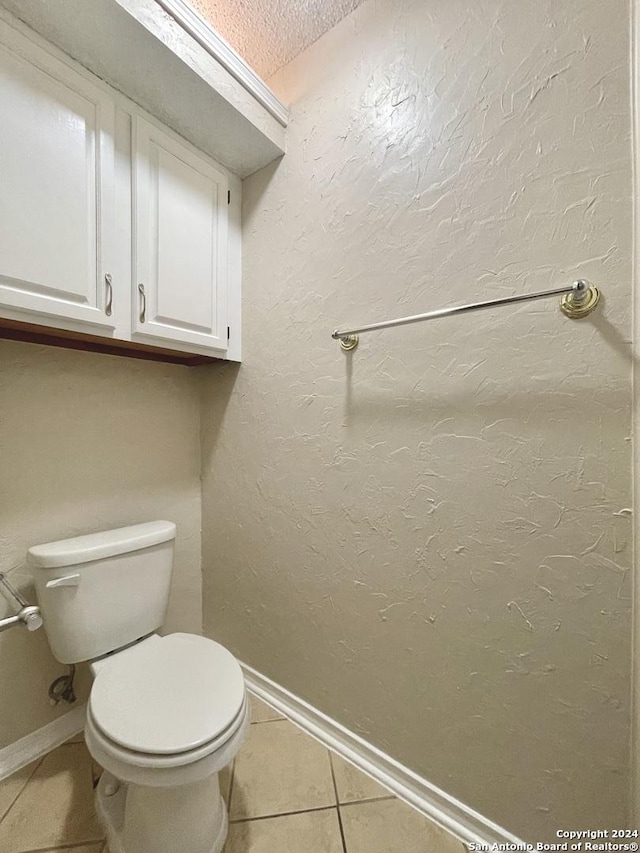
x,y
109,288
143,303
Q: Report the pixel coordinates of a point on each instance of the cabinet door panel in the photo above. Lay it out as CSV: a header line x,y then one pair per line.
x,y
56,161
181,242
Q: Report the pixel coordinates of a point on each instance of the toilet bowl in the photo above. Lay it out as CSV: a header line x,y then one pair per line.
x,y
165,713
163,718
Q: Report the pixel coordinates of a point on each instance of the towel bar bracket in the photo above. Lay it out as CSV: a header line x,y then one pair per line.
x,y
576,305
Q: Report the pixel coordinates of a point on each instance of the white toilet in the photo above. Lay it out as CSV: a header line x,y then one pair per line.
x,y
165,714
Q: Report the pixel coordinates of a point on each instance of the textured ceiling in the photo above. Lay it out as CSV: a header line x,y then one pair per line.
x,y
270,33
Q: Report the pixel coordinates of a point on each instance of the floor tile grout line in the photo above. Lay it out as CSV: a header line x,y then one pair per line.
x,y
335,788
22,790
341,803
73,845
69,845
380,799
275,720
282,814
231,781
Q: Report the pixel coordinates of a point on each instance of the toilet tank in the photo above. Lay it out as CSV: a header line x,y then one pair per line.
x,y
100,592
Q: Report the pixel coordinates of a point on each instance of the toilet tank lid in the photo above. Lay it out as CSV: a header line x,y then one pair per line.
x,y
97,546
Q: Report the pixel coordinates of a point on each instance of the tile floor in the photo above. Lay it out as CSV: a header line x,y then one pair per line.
x,y
285,792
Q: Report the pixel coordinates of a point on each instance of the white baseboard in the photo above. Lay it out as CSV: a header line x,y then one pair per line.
x,y
452,815
36,745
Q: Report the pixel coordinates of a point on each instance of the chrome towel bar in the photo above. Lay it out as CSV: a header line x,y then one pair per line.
x,y
579,300
28,614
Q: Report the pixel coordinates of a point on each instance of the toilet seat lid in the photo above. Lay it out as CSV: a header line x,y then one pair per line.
x,y
168,696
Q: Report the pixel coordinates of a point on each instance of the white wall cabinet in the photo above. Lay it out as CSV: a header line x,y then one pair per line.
x,y
111,226
56,203
180,224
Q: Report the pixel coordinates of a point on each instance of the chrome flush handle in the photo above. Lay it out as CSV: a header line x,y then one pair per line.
x,y
143,303
65,580
109,289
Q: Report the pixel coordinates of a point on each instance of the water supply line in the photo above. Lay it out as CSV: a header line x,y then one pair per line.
x,y
61,690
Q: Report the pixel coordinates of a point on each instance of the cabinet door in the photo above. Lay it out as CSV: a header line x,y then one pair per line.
x,y
56,167
180,243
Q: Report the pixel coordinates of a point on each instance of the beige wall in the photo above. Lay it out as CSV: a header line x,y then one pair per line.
x,y
430,540
89,442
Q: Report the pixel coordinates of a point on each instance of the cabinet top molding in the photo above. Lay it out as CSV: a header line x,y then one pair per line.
x,y
221,50
165,58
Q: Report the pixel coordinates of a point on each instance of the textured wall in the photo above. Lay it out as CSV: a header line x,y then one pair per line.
x,y
89,442
269,33
430,540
